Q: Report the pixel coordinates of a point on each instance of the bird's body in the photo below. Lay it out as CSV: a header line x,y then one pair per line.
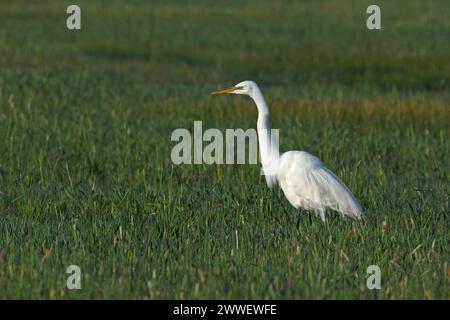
x,y
305,180
307,183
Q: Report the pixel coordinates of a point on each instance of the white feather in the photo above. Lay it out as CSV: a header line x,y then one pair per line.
x,y
309,184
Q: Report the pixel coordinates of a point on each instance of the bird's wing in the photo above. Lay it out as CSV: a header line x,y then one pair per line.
x,y
308,183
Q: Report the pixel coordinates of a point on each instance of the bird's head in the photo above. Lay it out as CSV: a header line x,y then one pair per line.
x,y
245,87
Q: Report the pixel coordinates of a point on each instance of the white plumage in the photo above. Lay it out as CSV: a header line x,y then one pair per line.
x,y
306,182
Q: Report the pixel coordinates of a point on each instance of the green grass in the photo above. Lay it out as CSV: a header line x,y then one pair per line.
x,y
85,170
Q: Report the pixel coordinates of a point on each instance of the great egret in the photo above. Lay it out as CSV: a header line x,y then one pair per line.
x,y
304,179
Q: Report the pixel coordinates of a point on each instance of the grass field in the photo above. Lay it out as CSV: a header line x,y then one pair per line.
x,y
86,176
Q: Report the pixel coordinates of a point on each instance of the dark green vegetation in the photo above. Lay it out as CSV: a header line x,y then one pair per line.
x,y
85,170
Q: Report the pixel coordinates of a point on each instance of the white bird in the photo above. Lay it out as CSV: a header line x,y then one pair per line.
x,y
305,180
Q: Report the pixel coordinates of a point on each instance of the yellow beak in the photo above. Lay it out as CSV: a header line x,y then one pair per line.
x,y
229,90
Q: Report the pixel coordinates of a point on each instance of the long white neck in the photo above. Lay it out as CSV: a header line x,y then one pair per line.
x,y
268,140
